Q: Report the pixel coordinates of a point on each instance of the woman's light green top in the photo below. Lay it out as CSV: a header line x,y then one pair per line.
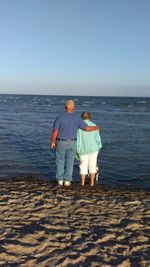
x,y
88,142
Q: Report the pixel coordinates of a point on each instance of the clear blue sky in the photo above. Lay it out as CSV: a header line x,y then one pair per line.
x,y
79,47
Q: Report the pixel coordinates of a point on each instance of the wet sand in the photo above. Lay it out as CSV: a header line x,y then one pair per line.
x,y
42,224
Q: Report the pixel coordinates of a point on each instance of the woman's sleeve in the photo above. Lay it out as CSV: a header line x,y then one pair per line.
x,y
78,141
98,140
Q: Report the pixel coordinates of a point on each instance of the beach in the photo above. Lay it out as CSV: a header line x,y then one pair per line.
x,y
42,224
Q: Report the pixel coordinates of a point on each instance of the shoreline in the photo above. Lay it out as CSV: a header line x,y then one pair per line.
x,y
99,185
42,224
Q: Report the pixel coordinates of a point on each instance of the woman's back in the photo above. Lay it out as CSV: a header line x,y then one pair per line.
x,y
88,142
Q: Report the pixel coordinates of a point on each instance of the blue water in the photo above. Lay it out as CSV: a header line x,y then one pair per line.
x,y
26,125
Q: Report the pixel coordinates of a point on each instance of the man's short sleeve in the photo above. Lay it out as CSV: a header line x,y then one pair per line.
x,y
56,124
81,124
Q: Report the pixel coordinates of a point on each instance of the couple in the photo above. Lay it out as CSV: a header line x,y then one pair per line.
x,y
71,135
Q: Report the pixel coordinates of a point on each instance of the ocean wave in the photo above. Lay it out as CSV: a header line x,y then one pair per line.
x,y
141,102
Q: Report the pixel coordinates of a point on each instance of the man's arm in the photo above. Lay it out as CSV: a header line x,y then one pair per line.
x,y
54,136
84,126
91,128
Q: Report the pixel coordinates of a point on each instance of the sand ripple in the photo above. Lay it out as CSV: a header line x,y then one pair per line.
x,y
42,224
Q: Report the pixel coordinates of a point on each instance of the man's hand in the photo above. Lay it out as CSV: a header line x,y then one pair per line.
x,y
98,128
54,136
53,145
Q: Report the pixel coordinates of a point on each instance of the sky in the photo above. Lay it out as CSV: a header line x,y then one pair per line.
x,y
75,47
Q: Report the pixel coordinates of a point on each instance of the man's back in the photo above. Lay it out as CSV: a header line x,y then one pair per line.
x,y
67,125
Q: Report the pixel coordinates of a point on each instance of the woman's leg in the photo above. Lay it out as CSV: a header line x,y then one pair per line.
x,y
92,179
83,167
82,179
93,166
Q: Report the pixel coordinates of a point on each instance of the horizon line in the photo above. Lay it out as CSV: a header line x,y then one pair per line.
x,y
22,94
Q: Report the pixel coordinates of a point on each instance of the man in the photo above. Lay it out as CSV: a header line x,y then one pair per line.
x,y
65,133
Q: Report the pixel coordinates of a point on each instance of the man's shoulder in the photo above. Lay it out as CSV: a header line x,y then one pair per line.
x,y
67,115
76,115
61,115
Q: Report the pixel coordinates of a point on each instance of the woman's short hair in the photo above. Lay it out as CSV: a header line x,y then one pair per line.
x,y
86,115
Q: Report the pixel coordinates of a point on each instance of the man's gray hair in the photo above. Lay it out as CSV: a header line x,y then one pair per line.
x,y
69,103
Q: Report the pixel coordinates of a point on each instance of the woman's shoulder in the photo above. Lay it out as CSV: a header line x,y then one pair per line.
x,y
90,123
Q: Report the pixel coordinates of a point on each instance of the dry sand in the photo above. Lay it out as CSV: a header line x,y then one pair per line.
x,y
42,224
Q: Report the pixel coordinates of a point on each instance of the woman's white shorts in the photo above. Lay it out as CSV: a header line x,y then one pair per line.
x,y
88,163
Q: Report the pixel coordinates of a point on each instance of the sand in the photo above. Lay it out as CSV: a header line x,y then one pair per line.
x,y
42,224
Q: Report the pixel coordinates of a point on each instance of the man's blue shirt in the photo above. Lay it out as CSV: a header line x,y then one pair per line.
x,y
67,125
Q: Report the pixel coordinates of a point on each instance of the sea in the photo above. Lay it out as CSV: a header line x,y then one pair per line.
x,y
26,123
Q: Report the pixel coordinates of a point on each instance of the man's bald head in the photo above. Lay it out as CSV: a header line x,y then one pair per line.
x,y
70,105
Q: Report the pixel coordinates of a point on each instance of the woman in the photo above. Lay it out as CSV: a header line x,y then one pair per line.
x,y
88,146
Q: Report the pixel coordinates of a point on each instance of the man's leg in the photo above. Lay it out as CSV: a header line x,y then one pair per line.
x,y
70,156
60,161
